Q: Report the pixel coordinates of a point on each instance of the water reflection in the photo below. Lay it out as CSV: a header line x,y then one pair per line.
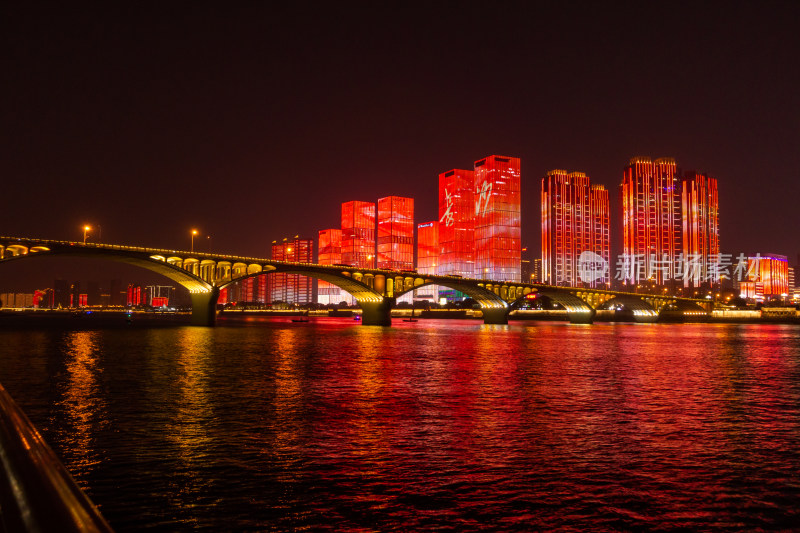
x,y
288,399
439,425
190,428
83,402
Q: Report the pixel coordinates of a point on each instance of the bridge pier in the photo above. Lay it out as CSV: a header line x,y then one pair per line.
x,y
495,315
377,313
204,307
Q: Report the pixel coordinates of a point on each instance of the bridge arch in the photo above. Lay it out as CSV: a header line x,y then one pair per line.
x,y
578,311
203,294
375,308
494,308
641,311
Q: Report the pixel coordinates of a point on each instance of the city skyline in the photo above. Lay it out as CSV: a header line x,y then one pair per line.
x,y
148,139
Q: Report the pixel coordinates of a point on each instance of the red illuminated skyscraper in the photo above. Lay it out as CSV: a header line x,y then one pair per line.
x,y
700,213
358,234
396,233
651,221
457,223
291,288
575,231
428,248
427,258
330,253
498,247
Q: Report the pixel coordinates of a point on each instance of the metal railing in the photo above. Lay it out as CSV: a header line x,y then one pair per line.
x,y
37,494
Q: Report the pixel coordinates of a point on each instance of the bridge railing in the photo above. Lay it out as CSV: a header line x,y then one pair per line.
x,y
37,494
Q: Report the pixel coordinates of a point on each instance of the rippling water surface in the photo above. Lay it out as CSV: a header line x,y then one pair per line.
x,y
447,425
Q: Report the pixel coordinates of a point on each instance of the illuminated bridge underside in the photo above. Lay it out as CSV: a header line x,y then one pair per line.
x,y
374,290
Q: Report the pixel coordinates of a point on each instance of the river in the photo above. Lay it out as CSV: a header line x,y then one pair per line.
x,y
436,424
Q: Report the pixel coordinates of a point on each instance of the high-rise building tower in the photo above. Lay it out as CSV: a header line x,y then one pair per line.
x,y
358,234
457,223
427,258
536,271
498,245
291,288
576,247
396,233
700,214
330,253
651,222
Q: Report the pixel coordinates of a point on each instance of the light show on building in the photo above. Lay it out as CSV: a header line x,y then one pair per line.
x,y
576,247
651,221
358,234
498,248
330,253
457,223
700,217
396,233
427,258
767,277
291,288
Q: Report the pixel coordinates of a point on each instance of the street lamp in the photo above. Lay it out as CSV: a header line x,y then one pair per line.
x,y
85,231
194,232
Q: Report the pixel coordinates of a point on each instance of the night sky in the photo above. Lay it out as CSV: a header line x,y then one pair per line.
x,y
253,122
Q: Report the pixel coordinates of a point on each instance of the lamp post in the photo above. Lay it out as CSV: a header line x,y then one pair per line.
x,y
194,232
85,232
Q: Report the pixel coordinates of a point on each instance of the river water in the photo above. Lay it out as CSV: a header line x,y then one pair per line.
x,y
446,425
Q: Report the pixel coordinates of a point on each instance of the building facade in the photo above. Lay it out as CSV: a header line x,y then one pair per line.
x,y
498,246
292,289
651,223
330,253
428,258
358,234
576,249
767,277
457,223
700,221
396,233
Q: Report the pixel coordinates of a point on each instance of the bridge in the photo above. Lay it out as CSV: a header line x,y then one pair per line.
x,y
375,290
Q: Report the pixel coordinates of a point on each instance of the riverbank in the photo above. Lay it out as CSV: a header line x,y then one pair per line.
x,y
57,318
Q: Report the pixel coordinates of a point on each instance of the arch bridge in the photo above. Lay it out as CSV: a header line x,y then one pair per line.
x,y
375,290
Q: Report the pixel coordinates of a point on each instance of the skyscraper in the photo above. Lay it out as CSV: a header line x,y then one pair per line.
x,y
575,231
358,234
291,288
700,215
330,253
651,222
498,246
427,258
396,233
457,223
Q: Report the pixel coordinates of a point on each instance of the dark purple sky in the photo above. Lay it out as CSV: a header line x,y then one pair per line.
x,y
255,122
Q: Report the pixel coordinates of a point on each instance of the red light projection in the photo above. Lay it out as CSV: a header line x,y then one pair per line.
x,y
457,223
767,277
358,234
651,221
575,220
330,253
700,214
427,258
498,249
396,233
291,288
